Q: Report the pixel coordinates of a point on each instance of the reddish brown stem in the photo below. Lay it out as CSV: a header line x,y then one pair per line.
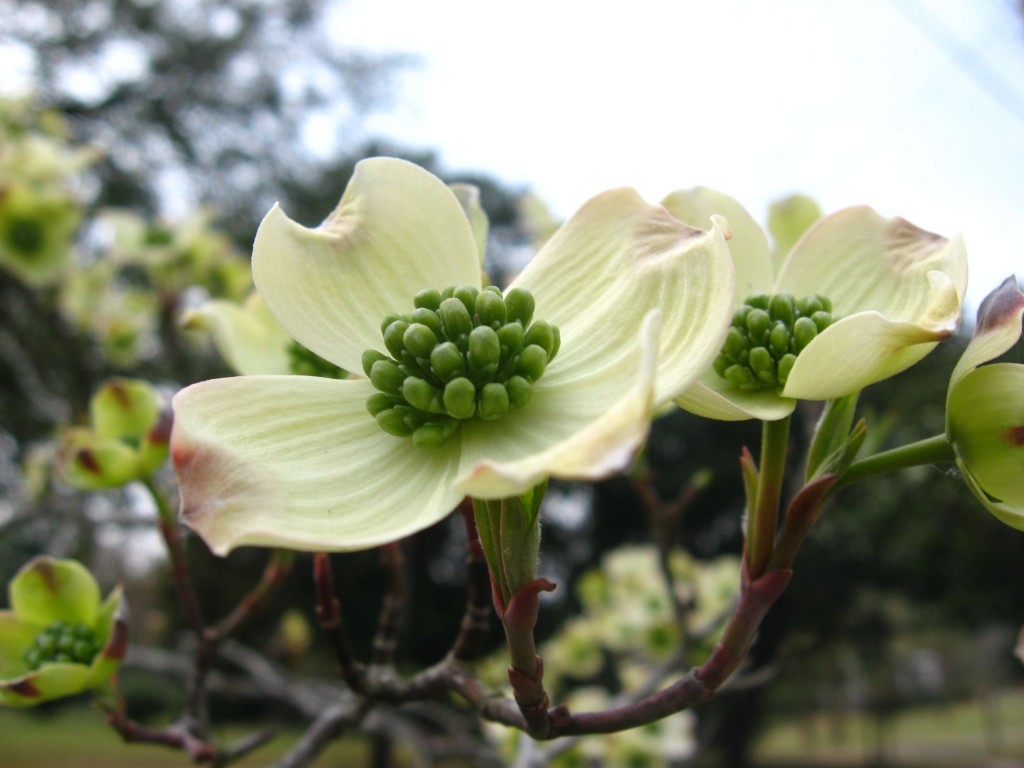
x,y
328,613
385,641
274,574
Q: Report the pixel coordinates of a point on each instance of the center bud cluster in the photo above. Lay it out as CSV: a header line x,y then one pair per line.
x,y
462,353
767,334
62,642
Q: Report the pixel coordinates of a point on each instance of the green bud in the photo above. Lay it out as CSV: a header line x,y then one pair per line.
x,y
532,362
434,433
759,325
740,377
810,304
429,318
456,318
387,377
467,294
778,340
519,391
484,349
448,292
543,335
388,320
520,304
804,331
447,362
428,298
422,395
781,307
759,301
736,343
761,360
558,343
490,308
394,338
494,401
419,340
721,364
822,320
785,366
378,402
511,336
460,398
370,357
393,422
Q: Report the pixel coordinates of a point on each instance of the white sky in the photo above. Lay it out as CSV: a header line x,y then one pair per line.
x,y
875,102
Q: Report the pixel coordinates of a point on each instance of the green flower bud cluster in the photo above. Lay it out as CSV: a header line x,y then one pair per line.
x,y
462,353
767,334
303,362
62,642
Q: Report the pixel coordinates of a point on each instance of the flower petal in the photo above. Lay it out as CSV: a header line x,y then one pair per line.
x,y
247,336
50,681
297,462
985,423
714,398
397,230
587,418
864,262
15,638
618,258
747,242
47,590
998,328
866,347
1008,514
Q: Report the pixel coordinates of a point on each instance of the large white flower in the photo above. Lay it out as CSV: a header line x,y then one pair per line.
x,y
895,291
299,462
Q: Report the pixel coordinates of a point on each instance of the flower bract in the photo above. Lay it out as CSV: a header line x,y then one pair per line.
x,y
892,292
642,302
58,638
985,408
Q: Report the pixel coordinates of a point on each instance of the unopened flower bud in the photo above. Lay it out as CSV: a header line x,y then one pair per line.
x,y
460,398
520,305
494,401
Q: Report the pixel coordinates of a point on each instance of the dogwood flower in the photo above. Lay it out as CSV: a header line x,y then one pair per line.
x,y
487,403
857,299
985,408
58,638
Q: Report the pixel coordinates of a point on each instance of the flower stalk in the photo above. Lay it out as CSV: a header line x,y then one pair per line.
x,y
764,522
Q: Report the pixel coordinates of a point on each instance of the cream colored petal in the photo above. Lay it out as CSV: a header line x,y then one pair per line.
x,y
866,347
864,262
618,258
247,336
588,416
714,398
396,231
998,328
748,243
297,462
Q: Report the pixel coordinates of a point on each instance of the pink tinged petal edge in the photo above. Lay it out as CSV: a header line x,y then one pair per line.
x,y
297,462
997,329
397,230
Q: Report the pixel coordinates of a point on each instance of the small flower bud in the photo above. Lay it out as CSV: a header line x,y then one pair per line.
x,y
759,301
781,307
494,401
520,304
484,349
532,362
511,337
393,338
428,298
456,318
467,294
543,335
778,340
810,304
447,362
490,308
419,340
804,331
822,320
378,402
422,395
387,377
519,391
460,398
759,325
785,366
392,421
721,364
434,433
736,343
740,377
388,320
429,318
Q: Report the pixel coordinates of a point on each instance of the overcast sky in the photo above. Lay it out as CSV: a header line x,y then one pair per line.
x,y
915,107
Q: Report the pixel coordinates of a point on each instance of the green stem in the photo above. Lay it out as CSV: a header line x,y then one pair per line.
x,y
765,522
932,450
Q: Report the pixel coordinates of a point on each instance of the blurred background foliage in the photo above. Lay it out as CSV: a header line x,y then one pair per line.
x,y
197,116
